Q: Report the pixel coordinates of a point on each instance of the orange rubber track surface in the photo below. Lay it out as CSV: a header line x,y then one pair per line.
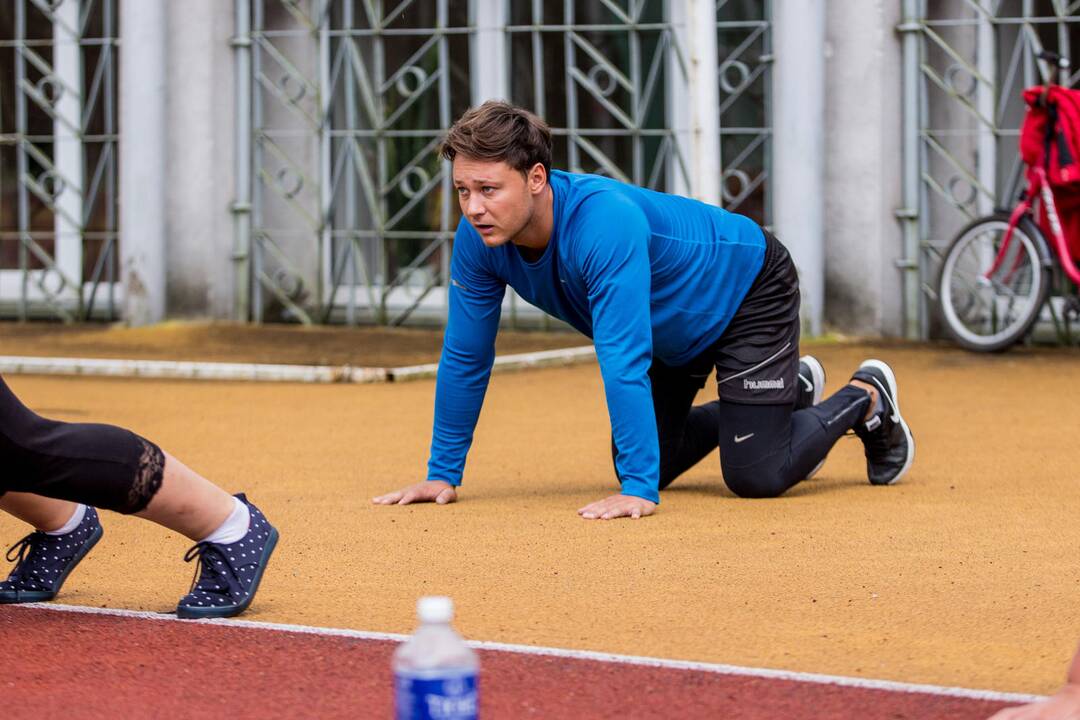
x,y
966,574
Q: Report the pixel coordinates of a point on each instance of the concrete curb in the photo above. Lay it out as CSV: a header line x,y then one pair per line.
x,y
256,372
543,358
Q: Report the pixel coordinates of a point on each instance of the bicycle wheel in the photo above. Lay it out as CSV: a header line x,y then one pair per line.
x,y
985,312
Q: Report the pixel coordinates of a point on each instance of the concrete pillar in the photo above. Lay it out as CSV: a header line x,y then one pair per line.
x,y
799,146
142,158
864,169
201,112
489,59
694,99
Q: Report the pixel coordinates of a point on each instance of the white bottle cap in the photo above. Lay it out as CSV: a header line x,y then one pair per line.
x,y
435,609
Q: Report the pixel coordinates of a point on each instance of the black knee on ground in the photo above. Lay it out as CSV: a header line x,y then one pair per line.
x,y
752,482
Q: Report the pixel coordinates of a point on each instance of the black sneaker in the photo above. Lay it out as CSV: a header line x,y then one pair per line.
x,y
811,388
229,575
890,448
43,561
811,382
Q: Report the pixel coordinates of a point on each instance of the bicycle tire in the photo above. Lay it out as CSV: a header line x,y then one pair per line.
x,y
1037,251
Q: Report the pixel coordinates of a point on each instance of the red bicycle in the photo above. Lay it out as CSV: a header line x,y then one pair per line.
x,y
998,272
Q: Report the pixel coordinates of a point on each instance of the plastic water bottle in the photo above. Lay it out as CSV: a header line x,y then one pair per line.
x,y
435,671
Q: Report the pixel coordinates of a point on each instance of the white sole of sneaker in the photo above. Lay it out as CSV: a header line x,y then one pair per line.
x,y
890,378
817,375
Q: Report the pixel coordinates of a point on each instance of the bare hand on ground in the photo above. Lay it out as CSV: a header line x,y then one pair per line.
x,y
436,491
617,506
1063,705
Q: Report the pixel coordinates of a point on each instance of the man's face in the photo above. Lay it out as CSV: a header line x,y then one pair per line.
x,y
495,198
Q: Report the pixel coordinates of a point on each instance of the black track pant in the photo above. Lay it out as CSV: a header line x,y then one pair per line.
x,y
765,445
100,465
764,449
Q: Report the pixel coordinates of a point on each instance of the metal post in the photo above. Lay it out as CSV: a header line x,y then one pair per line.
x,y
447,178
67,144
984,99
799,137
909,214
21,159
143,158
241,206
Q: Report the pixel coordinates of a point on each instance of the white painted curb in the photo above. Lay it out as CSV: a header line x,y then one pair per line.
x,y
543,358
172,370
257,372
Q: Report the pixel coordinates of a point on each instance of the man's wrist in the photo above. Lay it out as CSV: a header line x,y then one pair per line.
x,y
641,490
451,483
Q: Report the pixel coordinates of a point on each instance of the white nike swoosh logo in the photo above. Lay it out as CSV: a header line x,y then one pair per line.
x,y
739,439
809,385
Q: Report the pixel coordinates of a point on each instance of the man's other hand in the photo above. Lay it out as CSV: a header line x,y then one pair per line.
x,y
1064,705
617,506
436,491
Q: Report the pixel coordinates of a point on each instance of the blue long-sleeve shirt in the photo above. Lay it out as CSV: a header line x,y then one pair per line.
x,y
644,274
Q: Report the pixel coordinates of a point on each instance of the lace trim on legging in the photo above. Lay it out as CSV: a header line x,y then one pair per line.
x,y
148,477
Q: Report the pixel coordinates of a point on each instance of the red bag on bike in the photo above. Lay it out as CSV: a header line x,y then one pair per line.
x,y
1053,127
1050,138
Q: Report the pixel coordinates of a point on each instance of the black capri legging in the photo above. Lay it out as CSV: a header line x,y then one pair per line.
x,y
100,465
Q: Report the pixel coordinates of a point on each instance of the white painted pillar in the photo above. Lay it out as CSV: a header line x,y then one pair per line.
x,y
489,59
799,146
142,159
67,147
694,98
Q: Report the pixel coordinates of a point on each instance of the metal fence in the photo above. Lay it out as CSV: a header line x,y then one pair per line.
x,y
58,159
970,64
352,208
349,213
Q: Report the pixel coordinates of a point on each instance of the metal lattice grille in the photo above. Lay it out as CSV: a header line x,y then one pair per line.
x,y
597,73
744,44
352,209
351,215
58,159
975,58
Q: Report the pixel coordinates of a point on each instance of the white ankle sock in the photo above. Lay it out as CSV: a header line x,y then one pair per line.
x,y
234,527
71,524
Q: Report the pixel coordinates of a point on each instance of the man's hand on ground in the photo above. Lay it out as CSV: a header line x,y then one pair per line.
x,y
436,491
1064,705
617,506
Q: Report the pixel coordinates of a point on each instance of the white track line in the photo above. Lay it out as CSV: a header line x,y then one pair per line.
x,y
260,372
722,669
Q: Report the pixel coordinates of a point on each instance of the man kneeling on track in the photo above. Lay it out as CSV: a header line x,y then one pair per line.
x,y
669,289
53,475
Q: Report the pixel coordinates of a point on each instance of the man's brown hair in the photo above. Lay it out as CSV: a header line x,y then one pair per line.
x,y
498,130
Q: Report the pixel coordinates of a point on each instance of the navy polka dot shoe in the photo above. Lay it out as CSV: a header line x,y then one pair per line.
x,y
43,561
228,575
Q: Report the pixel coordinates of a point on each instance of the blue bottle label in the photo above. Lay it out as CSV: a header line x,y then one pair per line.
x,y
436,695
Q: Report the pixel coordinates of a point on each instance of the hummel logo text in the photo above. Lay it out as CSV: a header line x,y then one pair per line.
x,y
740,438
763,384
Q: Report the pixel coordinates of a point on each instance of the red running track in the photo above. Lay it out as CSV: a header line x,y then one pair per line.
x,y
76,665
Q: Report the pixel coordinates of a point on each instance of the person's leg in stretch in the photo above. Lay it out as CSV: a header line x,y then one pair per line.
x,y
57,473
687,433
768,442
